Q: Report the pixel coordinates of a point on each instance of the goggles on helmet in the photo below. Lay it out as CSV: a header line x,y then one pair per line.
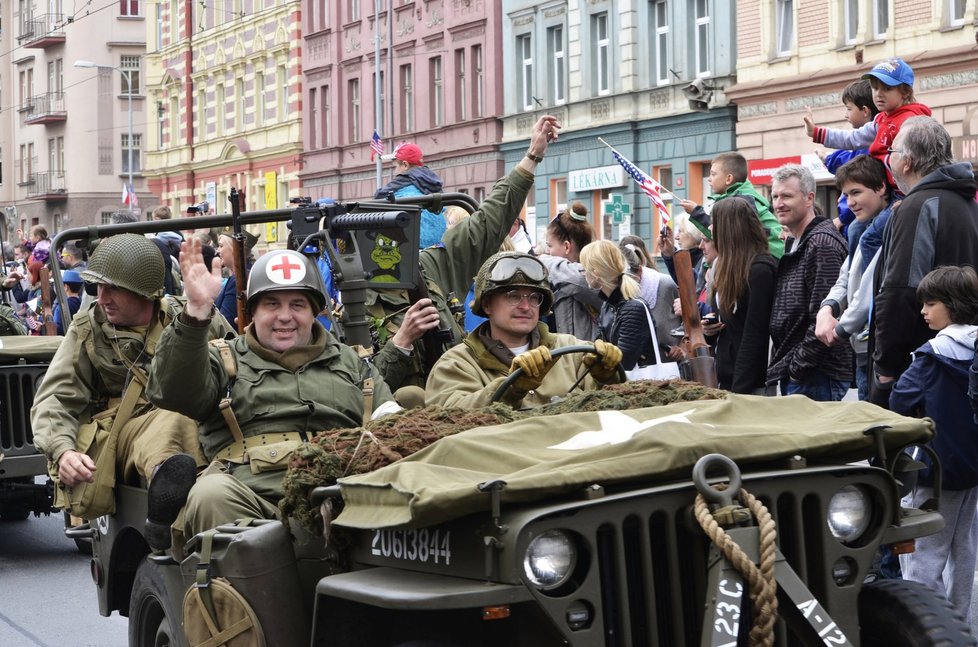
x,y
508,266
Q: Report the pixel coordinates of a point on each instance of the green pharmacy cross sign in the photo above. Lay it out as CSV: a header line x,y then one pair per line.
x,y
617,209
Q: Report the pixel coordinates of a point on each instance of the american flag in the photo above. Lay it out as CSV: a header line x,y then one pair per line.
x,y
376,146
649,186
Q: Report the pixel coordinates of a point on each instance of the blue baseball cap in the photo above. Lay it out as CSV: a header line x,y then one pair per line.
x,y
892,71
71,276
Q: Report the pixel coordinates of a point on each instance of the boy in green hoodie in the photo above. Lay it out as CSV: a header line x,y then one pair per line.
x,y
728,177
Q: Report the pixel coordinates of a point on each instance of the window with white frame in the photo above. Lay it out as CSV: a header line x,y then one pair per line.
x,y
221,102
353,9
283,94
261,98
437,91
477,74
313,118
174,20
955,12
128,7
524,63
461,86
135,148
850,21
239,104
557,65
326,122
159,25
660,52
785,28
130,73
601,61
701,37
160,125
881,18
201,115
174,118
407,106
353,91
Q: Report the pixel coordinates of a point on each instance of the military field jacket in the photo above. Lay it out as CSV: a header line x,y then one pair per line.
x,y
468,375
189,377
91,366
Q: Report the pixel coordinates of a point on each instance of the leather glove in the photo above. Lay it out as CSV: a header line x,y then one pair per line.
x,y
605,370
535,364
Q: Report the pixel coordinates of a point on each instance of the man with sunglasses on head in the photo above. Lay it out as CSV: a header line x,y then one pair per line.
x,y
512,291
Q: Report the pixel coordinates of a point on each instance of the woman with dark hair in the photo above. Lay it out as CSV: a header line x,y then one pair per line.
x,y
744,280
576,306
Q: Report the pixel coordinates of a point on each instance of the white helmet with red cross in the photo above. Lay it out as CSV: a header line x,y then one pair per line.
x,y
285,269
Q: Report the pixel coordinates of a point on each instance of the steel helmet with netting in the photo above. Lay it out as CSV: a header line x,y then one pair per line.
x,y
285,269
508,270
127,261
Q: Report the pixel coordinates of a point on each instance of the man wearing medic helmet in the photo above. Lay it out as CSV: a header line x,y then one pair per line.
x,y
258,396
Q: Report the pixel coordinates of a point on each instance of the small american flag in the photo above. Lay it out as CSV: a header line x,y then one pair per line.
x,y
649,186
376,146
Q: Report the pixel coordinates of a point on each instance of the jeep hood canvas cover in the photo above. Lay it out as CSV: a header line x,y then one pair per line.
x,y
546,456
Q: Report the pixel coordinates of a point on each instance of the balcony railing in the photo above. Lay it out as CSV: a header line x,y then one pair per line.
x,y
46,108
49,185
41,31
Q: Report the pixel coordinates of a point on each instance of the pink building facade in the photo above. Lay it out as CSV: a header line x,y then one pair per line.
x,y
441,79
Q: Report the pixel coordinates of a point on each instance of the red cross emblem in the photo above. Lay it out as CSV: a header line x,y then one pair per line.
x,y
285,270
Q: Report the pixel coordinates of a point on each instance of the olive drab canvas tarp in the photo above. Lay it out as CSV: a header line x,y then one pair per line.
x,y
542,457
30,349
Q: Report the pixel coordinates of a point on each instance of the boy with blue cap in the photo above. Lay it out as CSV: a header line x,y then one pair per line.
x,y
892,83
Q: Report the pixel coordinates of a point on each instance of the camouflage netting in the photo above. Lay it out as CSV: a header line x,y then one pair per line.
x,y
336,453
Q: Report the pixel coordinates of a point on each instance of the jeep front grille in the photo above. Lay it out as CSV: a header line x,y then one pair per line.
x,y
17,385
646,579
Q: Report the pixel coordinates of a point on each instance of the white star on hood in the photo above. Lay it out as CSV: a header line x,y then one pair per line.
x,y
616,428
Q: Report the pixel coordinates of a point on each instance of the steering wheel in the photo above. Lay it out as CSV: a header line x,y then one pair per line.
x,y
557,352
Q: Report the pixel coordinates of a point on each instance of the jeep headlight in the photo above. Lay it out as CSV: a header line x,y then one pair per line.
x,y
850,511
550,559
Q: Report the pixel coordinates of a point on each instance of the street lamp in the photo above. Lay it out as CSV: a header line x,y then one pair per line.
x,y
128,74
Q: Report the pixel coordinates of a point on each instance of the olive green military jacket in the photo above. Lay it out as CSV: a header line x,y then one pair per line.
x,y
324,392
91,366
468,375
449,267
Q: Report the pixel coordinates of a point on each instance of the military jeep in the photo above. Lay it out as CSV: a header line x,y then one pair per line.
x,y
579,529
591,527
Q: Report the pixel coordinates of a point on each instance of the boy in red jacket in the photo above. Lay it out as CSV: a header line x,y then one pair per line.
x,y
892,83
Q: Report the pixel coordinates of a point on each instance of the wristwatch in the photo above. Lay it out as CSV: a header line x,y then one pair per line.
x,y
535,158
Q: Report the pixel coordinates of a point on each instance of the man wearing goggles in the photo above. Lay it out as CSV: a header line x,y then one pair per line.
x,y
512,291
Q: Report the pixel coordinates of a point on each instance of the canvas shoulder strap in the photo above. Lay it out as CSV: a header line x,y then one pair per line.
x,y
231,368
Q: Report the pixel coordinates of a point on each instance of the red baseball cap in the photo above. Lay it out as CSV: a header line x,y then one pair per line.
x,y
405,152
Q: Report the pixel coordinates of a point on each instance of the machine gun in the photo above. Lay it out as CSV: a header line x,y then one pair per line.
x,y
336,230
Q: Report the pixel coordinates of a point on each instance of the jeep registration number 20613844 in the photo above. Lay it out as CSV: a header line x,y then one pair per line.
x,y
415,545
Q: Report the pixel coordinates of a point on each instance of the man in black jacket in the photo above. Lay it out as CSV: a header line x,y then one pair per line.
x,y
935,225
807,271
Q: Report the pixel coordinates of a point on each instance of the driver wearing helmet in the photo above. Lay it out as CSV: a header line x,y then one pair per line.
x,y
95,384
260,395
512,291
